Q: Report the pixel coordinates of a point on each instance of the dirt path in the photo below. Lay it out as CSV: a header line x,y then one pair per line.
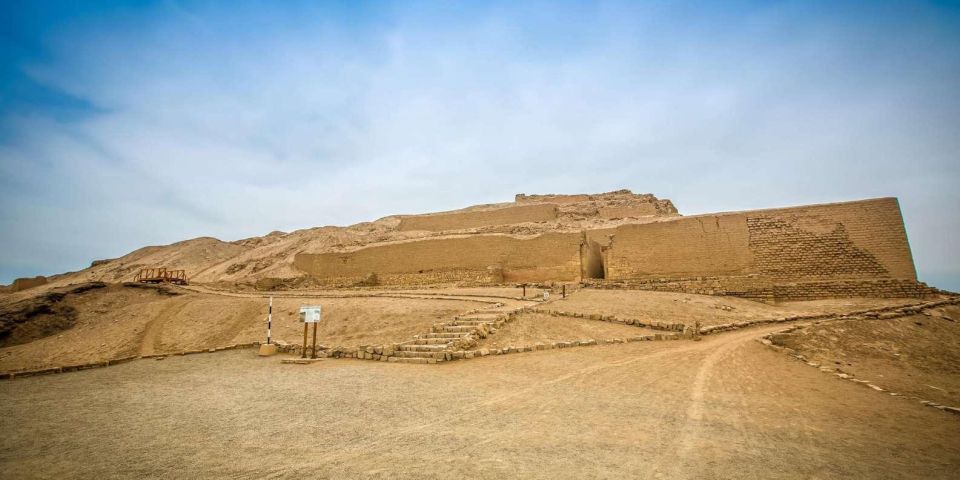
x,y
725,407
150,344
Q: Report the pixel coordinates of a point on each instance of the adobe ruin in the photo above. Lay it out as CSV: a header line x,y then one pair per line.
x,y
625,240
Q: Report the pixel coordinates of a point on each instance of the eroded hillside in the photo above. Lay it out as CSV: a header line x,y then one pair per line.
x,y
244,262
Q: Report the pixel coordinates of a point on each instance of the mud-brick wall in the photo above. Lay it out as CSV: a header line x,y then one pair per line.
x,y
626,211
852,239
482,218
544,258
863,239
686,247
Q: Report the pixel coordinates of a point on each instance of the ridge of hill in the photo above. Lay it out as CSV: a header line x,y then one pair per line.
x,y
210,260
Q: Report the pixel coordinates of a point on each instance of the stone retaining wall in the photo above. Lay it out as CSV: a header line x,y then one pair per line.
x,y
673,327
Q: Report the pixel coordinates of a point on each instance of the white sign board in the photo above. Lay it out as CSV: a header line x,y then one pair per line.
x,y
546,295
310,313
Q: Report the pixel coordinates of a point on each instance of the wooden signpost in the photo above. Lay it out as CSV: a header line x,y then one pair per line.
x,y
310,314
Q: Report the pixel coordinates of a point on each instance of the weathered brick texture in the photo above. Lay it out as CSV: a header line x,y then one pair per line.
x,y
818,251
863,239
684,247
554,256
481,218
642,210
759,288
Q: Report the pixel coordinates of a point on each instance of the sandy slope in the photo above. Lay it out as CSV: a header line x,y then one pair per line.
x,y
120,321
917,355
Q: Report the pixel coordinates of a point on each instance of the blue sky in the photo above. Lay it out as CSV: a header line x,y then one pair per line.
x,y
125,124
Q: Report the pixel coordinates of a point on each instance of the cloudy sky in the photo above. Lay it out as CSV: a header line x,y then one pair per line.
x,y
125,124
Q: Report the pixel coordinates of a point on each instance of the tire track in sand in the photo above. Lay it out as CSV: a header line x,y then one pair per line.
x,y
670,464
150,343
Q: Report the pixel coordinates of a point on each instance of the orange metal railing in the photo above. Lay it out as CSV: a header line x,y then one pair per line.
x,y
161,275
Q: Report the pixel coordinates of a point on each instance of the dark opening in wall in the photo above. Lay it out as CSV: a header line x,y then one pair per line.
x,y
591,259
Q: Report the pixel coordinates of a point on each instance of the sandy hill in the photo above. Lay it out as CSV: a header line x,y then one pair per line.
x,y
244,262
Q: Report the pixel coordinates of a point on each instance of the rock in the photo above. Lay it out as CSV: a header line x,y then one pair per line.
x,y
21,284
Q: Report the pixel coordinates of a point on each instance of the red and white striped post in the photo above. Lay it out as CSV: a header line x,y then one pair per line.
x,y
267,349
269,319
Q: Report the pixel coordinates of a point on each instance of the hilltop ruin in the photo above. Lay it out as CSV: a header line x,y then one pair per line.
x,y
609,240
843,249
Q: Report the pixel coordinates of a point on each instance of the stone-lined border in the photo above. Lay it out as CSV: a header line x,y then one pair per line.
x,y
117,361
767,340
357,353
893,311
669,327
384,353
483,352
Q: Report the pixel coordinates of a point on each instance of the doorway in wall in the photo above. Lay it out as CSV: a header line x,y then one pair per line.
x,y
591,259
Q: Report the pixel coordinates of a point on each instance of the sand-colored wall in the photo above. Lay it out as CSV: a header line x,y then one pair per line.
x,y
681,248
554,256
551,198
863,239
755,251
640,210
481,218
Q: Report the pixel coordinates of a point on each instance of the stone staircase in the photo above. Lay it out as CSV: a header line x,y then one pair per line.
x,y
439,345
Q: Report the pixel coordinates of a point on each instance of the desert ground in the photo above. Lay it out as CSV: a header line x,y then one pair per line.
x,y
727,406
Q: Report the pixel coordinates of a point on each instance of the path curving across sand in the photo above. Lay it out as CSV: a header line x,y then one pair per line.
x,y
724,407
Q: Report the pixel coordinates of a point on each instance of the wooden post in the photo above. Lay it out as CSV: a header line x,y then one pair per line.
x,y
524,290
303,351
314,354
564,290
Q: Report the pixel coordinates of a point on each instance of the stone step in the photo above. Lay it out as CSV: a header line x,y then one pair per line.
x,y
437,355
458,328
480,316
421,348
462,322
433,341
447,335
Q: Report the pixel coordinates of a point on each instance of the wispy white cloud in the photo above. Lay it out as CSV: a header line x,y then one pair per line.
x,y
211,120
